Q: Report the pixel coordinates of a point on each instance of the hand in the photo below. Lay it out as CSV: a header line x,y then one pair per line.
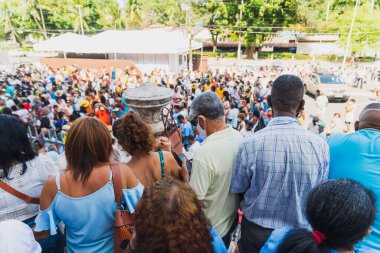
x,y
163,144
184,172
53,147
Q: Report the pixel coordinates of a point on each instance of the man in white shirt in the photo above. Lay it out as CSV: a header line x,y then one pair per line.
x,y
247,131
193,147
198,91
22,113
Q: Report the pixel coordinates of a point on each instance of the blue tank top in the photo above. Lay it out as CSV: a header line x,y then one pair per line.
x,y
89,219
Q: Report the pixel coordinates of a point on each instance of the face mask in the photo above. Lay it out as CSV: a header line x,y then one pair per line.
x,y
201,131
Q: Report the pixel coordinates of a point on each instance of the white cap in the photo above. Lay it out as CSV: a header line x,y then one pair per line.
x,y
16,236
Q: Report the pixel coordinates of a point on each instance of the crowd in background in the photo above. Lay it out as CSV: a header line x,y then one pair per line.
x,y
301,186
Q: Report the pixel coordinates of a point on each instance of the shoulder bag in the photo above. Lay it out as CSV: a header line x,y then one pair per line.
x,y
124,220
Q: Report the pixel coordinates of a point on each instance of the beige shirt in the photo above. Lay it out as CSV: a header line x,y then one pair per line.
x,y
211,177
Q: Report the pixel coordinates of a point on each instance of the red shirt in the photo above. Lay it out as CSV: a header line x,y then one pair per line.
x,y
27,106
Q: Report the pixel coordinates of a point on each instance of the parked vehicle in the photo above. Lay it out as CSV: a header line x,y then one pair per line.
x,y
333,86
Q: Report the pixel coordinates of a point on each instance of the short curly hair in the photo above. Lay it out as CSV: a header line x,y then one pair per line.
x,y
134,135
169,219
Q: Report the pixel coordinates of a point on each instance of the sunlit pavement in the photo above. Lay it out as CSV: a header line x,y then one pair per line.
x,y
362,96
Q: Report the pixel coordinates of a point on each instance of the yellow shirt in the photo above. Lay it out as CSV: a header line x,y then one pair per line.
x,y
211,177
220,92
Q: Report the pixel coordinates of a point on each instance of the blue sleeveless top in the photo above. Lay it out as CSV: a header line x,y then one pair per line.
x,y
89,220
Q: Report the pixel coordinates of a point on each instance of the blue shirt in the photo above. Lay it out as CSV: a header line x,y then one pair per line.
x,y
278,235
90,219
276,168
11,91
217,242
187,130
357,156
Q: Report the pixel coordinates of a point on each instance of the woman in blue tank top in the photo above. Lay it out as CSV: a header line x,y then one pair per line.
x,y
83,197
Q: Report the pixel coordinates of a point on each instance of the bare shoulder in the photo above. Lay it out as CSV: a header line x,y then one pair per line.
x,y
129,179
48,193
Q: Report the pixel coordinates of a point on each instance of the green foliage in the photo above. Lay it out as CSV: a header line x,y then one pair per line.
x,y
134,14
260,20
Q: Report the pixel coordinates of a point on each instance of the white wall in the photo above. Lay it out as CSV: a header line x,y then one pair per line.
x,y
325,48
149,62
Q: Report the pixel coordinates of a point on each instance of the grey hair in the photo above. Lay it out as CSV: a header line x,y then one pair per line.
x,y
207,104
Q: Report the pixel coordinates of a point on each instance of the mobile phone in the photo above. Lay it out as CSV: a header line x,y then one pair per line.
x,y
179,157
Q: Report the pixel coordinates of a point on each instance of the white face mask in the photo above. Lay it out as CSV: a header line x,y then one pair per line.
x,y
201,131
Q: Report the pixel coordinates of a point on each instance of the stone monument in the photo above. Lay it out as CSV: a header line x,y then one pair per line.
x,y
148,100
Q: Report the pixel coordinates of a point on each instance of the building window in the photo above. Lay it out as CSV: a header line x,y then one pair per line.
x,y
180,59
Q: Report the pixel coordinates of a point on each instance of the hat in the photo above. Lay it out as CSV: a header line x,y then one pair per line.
x,y
85,103
321,124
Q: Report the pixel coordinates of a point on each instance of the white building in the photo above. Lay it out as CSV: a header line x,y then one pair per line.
x,y
148,49
319,45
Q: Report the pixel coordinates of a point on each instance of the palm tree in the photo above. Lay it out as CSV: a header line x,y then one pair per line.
x,y
10,17
134,11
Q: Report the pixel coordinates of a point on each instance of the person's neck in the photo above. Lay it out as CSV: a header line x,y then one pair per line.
x,y
284,114
369,127
216,126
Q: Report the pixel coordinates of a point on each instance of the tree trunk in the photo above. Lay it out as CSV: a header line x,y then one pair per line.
x,y
214,43
249,51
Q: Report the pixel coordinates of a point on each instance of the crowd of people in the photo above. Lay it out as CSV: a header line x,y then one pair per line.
x,y
247,146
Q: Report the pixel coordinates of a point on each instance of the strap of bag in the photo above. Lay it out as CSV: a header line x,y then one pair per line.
x,y
18,194
117,183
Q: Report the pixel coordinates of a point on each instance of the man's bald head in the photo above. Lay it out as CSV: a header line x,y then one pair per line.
x,y
369,117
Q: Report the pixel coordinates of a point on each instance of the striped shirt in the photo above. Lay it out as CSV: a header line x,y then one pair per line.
x,y
276,169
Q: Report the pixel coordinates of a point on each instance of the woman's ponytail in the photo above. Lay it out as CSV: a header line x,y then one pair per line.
x,y
301,241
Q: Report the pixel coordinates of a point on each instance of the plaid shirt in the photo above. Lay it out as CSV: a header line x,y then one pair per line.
x,y
276,169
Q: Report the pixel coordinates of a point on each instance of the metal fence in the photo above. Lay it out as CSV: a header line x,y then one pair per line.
x,y
51,137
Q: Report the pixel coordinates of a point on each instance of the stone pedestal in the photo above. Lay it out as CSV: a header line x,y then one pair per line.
x,y
148,100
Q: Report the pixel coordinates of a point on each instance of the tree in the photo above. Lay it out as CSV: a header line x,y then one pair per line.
x,y
134,13
109,14
366,32
11,18
258,19
216,17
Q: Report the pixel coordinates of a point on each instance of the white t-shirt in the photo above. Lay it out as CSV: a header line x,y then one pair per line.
x,y
246,133
16,236
23,114
30,183
9,103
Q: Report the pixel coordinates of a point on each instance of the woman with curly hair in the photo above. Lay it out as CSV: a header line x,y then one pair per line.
x,y
169,219
137,139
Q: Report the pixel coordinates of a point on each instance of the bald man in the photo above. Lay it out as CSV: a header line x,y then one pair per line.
x,y
357,156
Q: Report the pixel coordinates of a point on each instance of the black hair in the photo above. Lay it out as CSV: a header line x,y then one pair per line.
x,y
180,117
7,110
287,92
343,210
15,146
37,144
